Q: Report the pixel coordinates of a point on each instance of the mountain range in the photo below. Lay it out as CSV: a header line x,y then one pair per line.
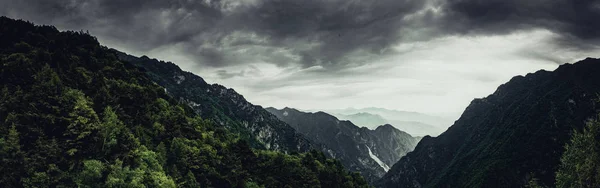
x,y
370,152
222,105
363,119
514,136
74,113
414,123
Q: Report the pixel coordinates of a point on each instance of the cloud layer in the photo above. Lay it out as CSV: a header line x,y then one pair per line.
x,y
575,21
399,54
333,34
225,32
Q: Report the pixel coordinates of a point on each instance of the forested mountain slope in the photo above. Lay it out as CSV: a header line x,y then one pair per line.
x,y
224,106
73,115
514,135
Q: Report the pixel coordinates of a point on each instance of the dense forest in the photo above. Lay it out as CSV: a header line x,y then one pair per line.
x,y
73,115
224,106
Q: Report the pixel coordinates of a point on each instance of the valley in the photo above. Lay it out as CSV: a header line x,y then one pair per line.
x,y
141,101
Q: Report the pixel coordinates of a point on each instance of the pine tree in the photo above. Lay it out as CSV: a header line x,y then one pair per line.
x,y
109,129
92,174
580,163
83,121
11,158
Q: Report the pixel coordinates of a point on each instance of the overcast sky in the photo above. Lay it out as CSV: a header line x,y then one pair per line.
x,y
430,56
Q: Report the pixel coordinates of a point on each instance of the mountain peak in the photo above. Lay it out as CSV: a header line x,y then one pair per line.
x,y
75,114
343,140
386,127
526,121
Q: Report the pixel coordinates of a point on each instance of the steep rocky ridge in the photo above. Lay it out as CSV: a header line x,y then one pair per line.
x,y
370,152
224,106
508,138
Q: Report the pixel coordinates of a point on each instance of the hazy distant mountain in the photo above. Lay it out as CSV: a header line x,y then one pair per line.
x,y
363,119
417,128
513,136
370,152
414,123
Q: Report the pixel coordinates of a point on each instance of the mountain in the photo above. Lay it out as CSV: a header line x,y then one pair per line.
x,y
73,115
223,105
369,152
415,123
513,136
417,128
363,119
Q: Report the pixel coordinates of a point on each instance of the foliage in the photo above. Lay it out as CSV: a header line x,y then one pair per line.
x,y
73,115
224,106
580,163
533,183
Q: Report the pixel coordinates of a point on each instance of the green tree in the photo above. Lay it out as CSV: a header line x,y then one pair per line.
x,y
120,176
92,174
189,181
161,151
110,128
580,163
533,183
11,158
51,86
82,121
154,175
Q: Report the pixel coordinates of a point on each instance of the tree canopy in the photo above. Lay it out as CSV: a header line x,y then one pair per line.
x,y
73,115
580,163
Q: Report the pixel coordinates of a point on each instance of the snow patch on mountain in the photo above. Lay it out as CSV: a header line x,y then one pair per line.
x,y
374,157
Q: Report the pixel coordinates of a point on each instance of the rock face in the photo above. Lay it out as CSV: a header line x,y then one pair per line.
x,y
508,138
224,106
370,152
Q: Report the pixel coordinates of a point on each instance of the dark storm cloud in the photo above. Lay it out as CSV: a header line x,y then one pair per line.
x,y
250,71
340,30
142,24
575,21
333,34
223,74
